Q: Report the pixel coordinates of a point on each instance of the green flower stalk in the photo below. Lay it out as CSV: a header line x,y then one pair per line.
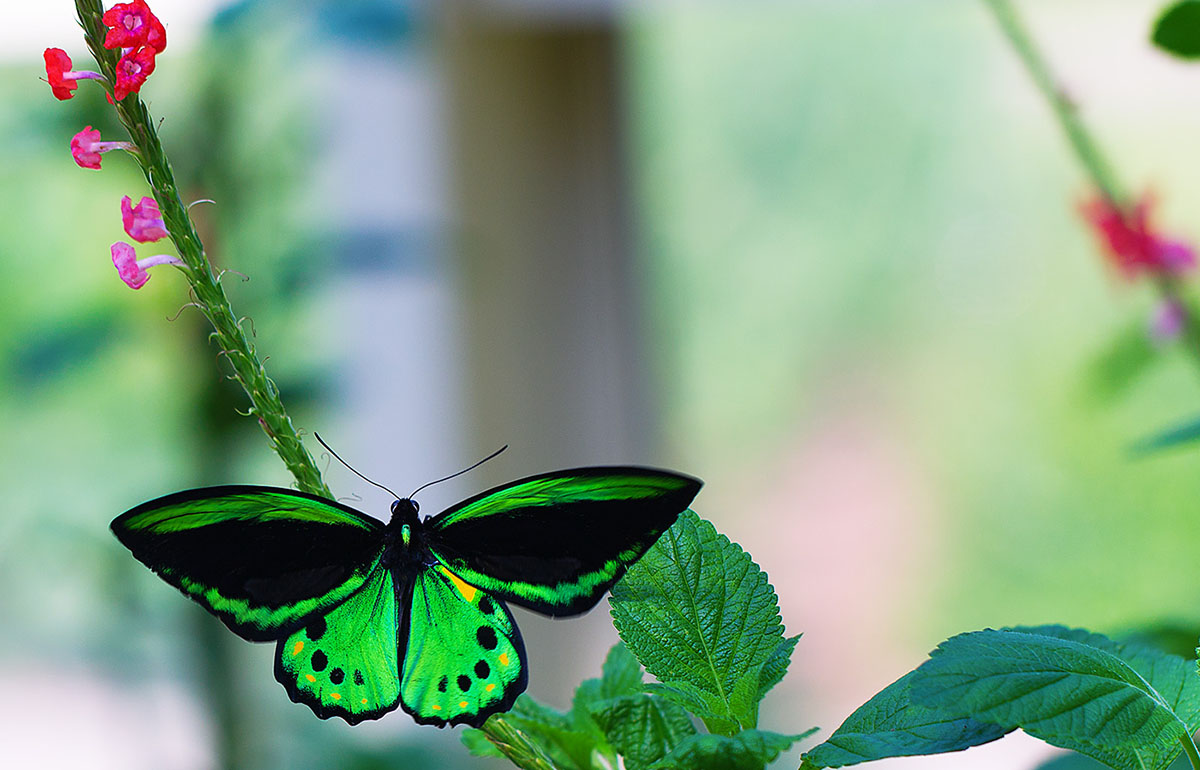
x,y
210,298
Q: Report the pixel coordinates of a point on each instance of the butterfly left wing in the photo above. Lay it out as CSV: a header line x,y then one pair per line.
x,y
555,543
344,663
463,659
262,559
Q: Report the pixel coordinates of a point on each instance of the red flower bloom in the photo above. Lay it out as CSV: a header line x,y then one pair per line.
x,y
133,25
133,270
1131,242
58,72
132,71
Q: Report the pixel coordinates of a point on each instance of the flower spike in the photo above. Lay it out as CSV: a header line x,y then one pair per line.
x,y
61,77
86,148
133,25
143,222
133,270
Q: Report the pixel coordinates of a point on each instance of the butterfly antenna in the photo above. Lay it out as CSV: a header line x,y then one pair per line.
x,y
464,470
356,473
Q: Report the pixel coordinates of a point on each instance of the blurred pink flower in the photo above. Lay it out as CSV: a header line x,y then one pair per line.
x,y
1131,243
86,147
143,222
133,270
1167,322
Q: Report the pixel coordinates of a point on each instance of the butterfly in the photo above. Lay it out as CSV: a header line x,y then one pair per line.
x,y
368,616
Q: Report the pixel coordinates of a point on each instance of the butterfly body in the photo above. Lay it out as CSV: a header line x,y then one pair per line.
x,y
368,617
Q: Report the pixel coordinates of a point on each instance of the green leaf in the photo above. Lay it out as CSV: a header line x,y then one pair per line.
x,y
1183,433
478,744
1068,693
748,750
776,666
700,616
622,674
891,725
894,723
643,728
555,733
1177,30
1125,358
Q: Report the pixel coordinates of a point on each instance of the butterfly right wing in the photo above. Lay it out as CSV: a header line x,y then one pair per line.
x,y
264,560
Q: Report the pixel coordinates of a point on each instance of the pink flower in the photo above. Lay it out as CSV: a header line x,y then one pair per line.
x,y
1131,243
143,222
132,70
133,270
132,25
86,147
1167,322
61,77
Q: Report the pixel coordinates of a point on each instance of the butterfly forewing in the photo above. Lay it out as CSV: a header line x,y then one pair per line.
x,y
344,663
464,659
262,559
555,543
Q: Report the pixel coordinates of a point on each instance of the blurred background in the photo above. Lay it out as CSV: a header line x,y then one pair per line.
x,y
824,255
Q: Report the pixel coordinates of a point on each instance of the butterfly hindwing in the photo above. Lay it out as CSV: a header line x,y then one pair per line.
x,y
555,543
261,559
344,663
464,659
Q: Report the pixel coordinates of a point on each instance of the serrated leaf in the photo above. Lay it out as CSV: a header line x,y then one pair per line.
x,y
1177,435
1068,693
696,609
557,734
1177,30
622,674
478,744
776,665
643,728
748,750
891,725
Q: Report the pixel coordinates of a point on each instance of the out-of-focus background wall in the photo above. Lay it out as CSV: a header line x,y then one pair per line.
x,y
824,255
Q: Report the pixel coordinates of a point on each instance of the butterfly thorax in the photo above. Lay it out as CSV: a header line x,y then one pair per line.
x,y
404,544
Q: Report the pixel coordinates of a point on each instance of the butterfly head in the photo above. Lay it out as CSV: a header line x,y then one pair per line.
x,y
404,511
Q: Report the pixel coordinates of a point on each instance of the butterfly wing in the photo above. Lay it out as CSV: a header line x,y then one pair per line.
x,y
555,543
464,659
344,663
262,559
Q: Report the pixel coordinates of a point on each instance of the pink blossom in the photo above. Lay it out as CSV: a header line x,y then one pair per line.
x,y
132,70
60,75
143,222
86,147
1132,244
133,270
131,25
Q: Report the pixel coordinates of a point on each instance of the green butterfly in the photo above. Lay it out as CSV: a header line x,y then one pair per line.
x,y
368,616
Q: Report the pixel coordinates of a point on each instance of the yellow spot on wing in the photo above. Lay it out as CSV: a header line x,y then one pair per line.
x,y
490,687
462,704
364,701
467,591
310,677
504,659
297,647
335,695
436,707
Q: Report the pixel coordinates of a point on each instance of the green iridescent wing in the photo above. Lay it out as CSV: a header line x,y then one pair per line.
x,y
555,543
262,559
464,659
344,663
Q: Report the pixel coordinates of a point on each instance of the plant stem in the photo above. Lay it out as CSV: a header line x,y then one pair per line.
x,y
516,746
1068,117
1088,153
1189,748
209,297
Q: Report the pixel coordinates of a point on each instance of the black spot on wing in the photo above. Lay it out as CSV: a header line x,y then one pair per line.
x,y
486,637
319,661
